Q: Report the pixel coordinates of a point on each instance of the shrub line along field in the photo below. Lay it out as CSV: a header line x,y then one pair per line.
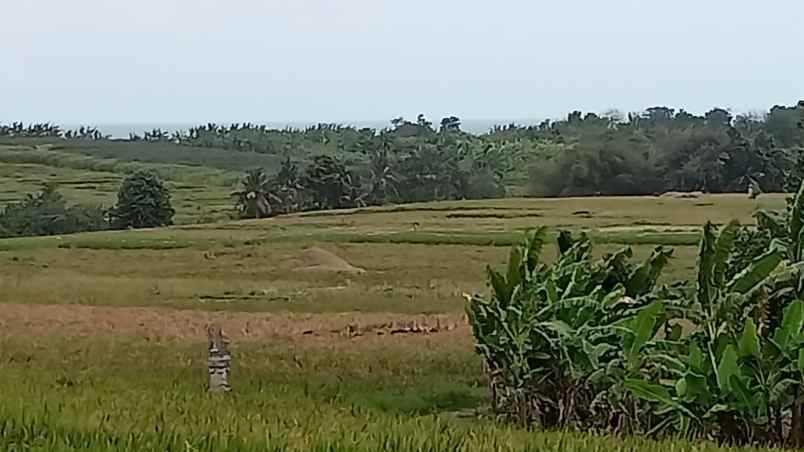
x,y
102,334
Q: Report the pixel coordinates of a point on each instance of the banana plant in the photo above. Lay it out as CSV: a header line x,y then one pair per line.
x,y
717,386
786,227
558,338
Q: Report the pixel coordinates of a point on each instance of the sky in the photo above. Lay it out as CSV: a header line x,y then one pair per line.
x,y
190,61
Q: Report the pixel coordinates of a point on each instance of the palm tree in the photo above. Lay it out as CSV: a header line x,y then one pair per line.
x,y
383,180
288,191
331,184
252,200
450,124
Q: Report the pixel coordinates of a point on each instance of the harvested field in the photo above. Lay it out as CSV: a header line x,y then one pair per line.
x,y
154,324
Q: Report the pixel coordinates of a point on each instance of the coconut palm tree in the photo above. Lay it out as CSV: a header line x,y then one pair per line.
x,y
383,180
253,200
288,193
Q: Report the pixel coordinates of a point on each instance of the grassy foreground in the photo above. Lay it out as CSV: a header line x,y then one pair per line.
x,y
116,394
89,378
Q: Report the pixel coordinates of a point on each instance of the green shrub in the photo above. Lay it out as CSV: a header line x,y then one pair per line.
x,y
483,185
142,202
47,213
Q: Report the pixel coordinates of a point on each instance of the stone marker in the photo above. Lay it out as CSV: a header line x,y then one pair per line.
x,y
219,360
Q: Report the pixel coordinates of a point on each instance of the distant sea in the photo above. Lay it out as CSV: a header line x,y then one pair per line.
x,y
474,126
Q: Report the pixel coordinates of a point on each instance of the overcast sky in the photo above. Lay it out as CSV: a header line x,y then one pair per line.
x,y
113,61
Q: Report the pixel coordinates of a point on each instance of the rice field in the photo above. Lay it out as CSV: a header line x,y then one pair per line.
x,y
199,194
103,342
109,393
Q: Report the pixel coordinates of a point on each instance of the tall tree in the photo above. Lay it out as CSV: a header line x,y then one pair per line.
x,y
252,200
143,201
718,117
331,184
450,124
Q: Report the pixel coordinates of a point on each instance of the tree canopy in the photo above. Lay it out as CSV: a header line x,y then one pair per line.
x,y
586,153
142,202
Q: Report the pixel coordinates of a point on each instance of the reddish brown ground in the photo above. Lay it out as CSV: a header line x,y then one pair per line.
x,y
168,324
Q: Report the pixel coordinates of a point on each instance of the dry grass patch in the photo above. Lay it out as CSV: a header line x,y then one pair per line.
x,y
157,324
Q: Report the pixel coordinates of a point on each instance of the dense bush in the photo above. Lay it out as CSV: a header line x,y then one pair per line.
x,y
47,213
331,184
586,344
143,201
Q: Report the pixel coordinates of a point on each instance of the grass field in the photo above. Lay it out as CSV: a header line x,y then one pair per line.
x,y
411,394
102,335
200,193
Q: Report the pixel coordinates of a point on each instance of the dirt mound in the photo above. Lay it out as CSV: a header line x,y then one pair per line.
x,y
682,195
319,260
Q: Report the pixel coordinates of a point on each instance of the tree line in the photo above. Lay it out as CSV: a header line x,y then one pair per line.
x,y
49,130
427,171
667,150
653,152
661,149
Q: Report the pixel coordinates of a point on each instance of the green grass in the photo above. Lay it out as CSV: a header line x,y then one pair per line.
x,y
199,194
79,381
121,394
506,239
207,238
408,271
392,436
52,156
124,244
171,154
180,273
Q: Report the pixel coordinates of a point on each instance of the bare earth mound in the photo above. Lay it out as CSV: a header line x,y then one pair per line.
x,y
319,260
682,195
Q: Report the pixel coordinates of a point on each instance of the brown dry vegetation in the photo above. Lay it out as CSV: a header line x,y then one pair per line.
x,y
158,325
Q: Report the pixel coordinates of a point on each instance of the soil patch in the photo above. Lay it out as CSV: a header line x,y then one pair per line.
x,y
320,260
682,195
